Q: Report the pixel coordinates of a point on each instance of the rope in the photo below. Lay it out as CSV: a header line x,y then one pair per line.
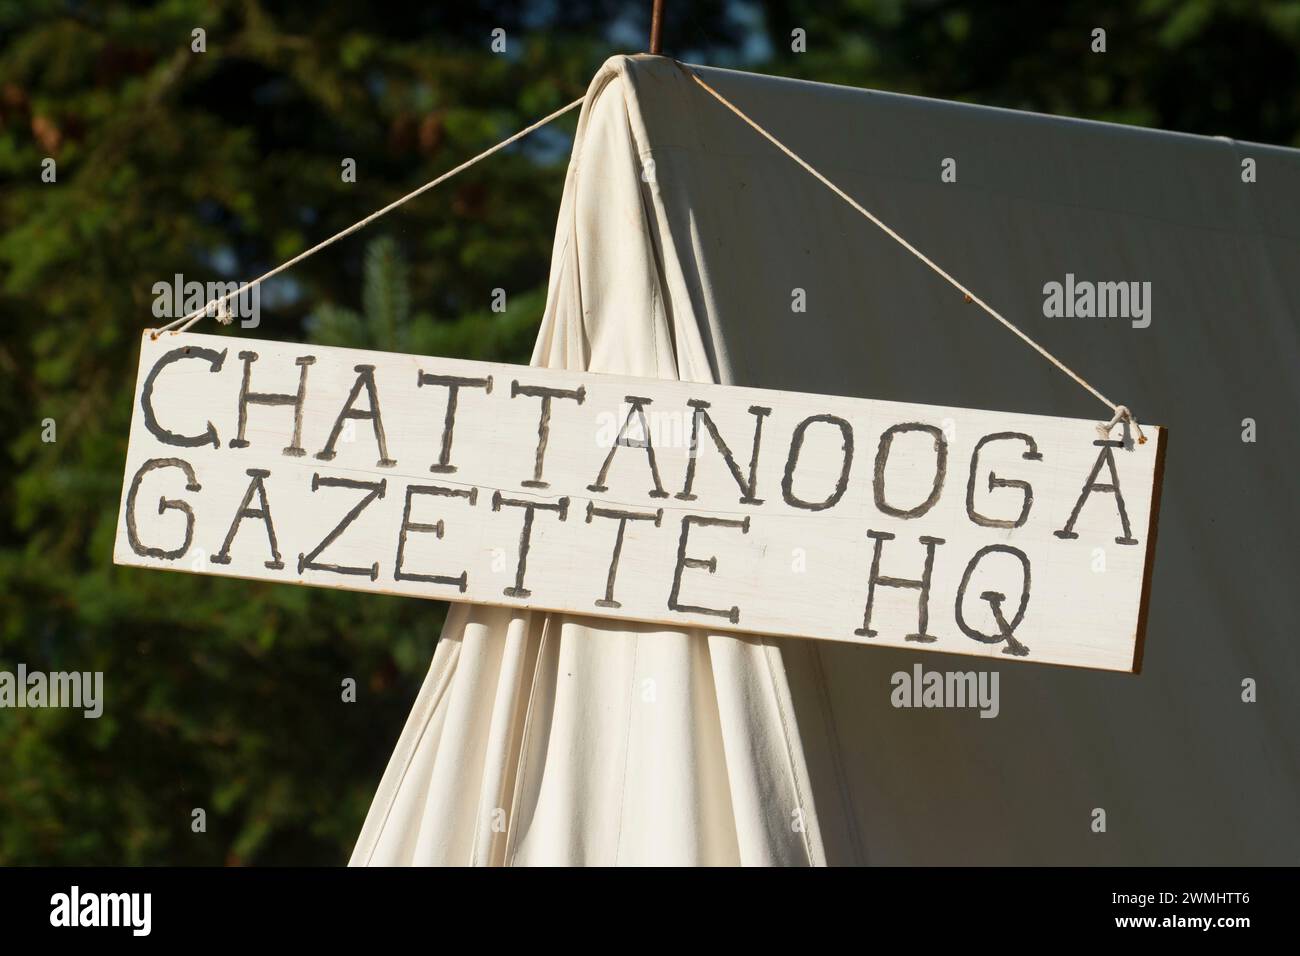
x,y
218,306
1121,412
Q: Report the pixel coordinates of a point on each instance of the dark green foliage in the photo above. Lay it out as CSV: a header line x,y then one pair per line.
x,y
1217,67
226,695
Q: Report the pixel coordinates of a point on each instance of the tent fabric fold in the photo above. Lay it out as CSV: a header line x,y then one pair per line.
x,y
542,738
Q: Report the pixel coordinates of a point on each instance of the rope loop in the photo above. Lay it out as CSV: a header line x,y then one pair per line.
x,y
1122,414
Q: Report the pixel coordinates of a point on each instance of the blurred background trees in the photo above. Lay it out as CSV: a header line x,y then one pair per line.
x,y
226,695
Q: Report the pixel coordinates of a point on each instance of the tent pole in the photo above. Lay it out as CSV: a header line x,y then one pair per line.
x,y
656,28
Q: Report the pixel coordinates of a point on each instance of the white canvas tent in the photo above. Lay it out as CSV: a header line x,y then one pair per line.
x,y
547,739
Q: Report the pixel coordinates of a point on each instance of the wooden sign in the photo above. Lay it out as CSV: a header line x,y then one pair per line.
x,y
1018,537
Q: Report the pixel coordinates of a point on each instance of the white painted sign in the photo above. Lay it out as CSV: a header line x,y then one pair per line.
x,y
1019,537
